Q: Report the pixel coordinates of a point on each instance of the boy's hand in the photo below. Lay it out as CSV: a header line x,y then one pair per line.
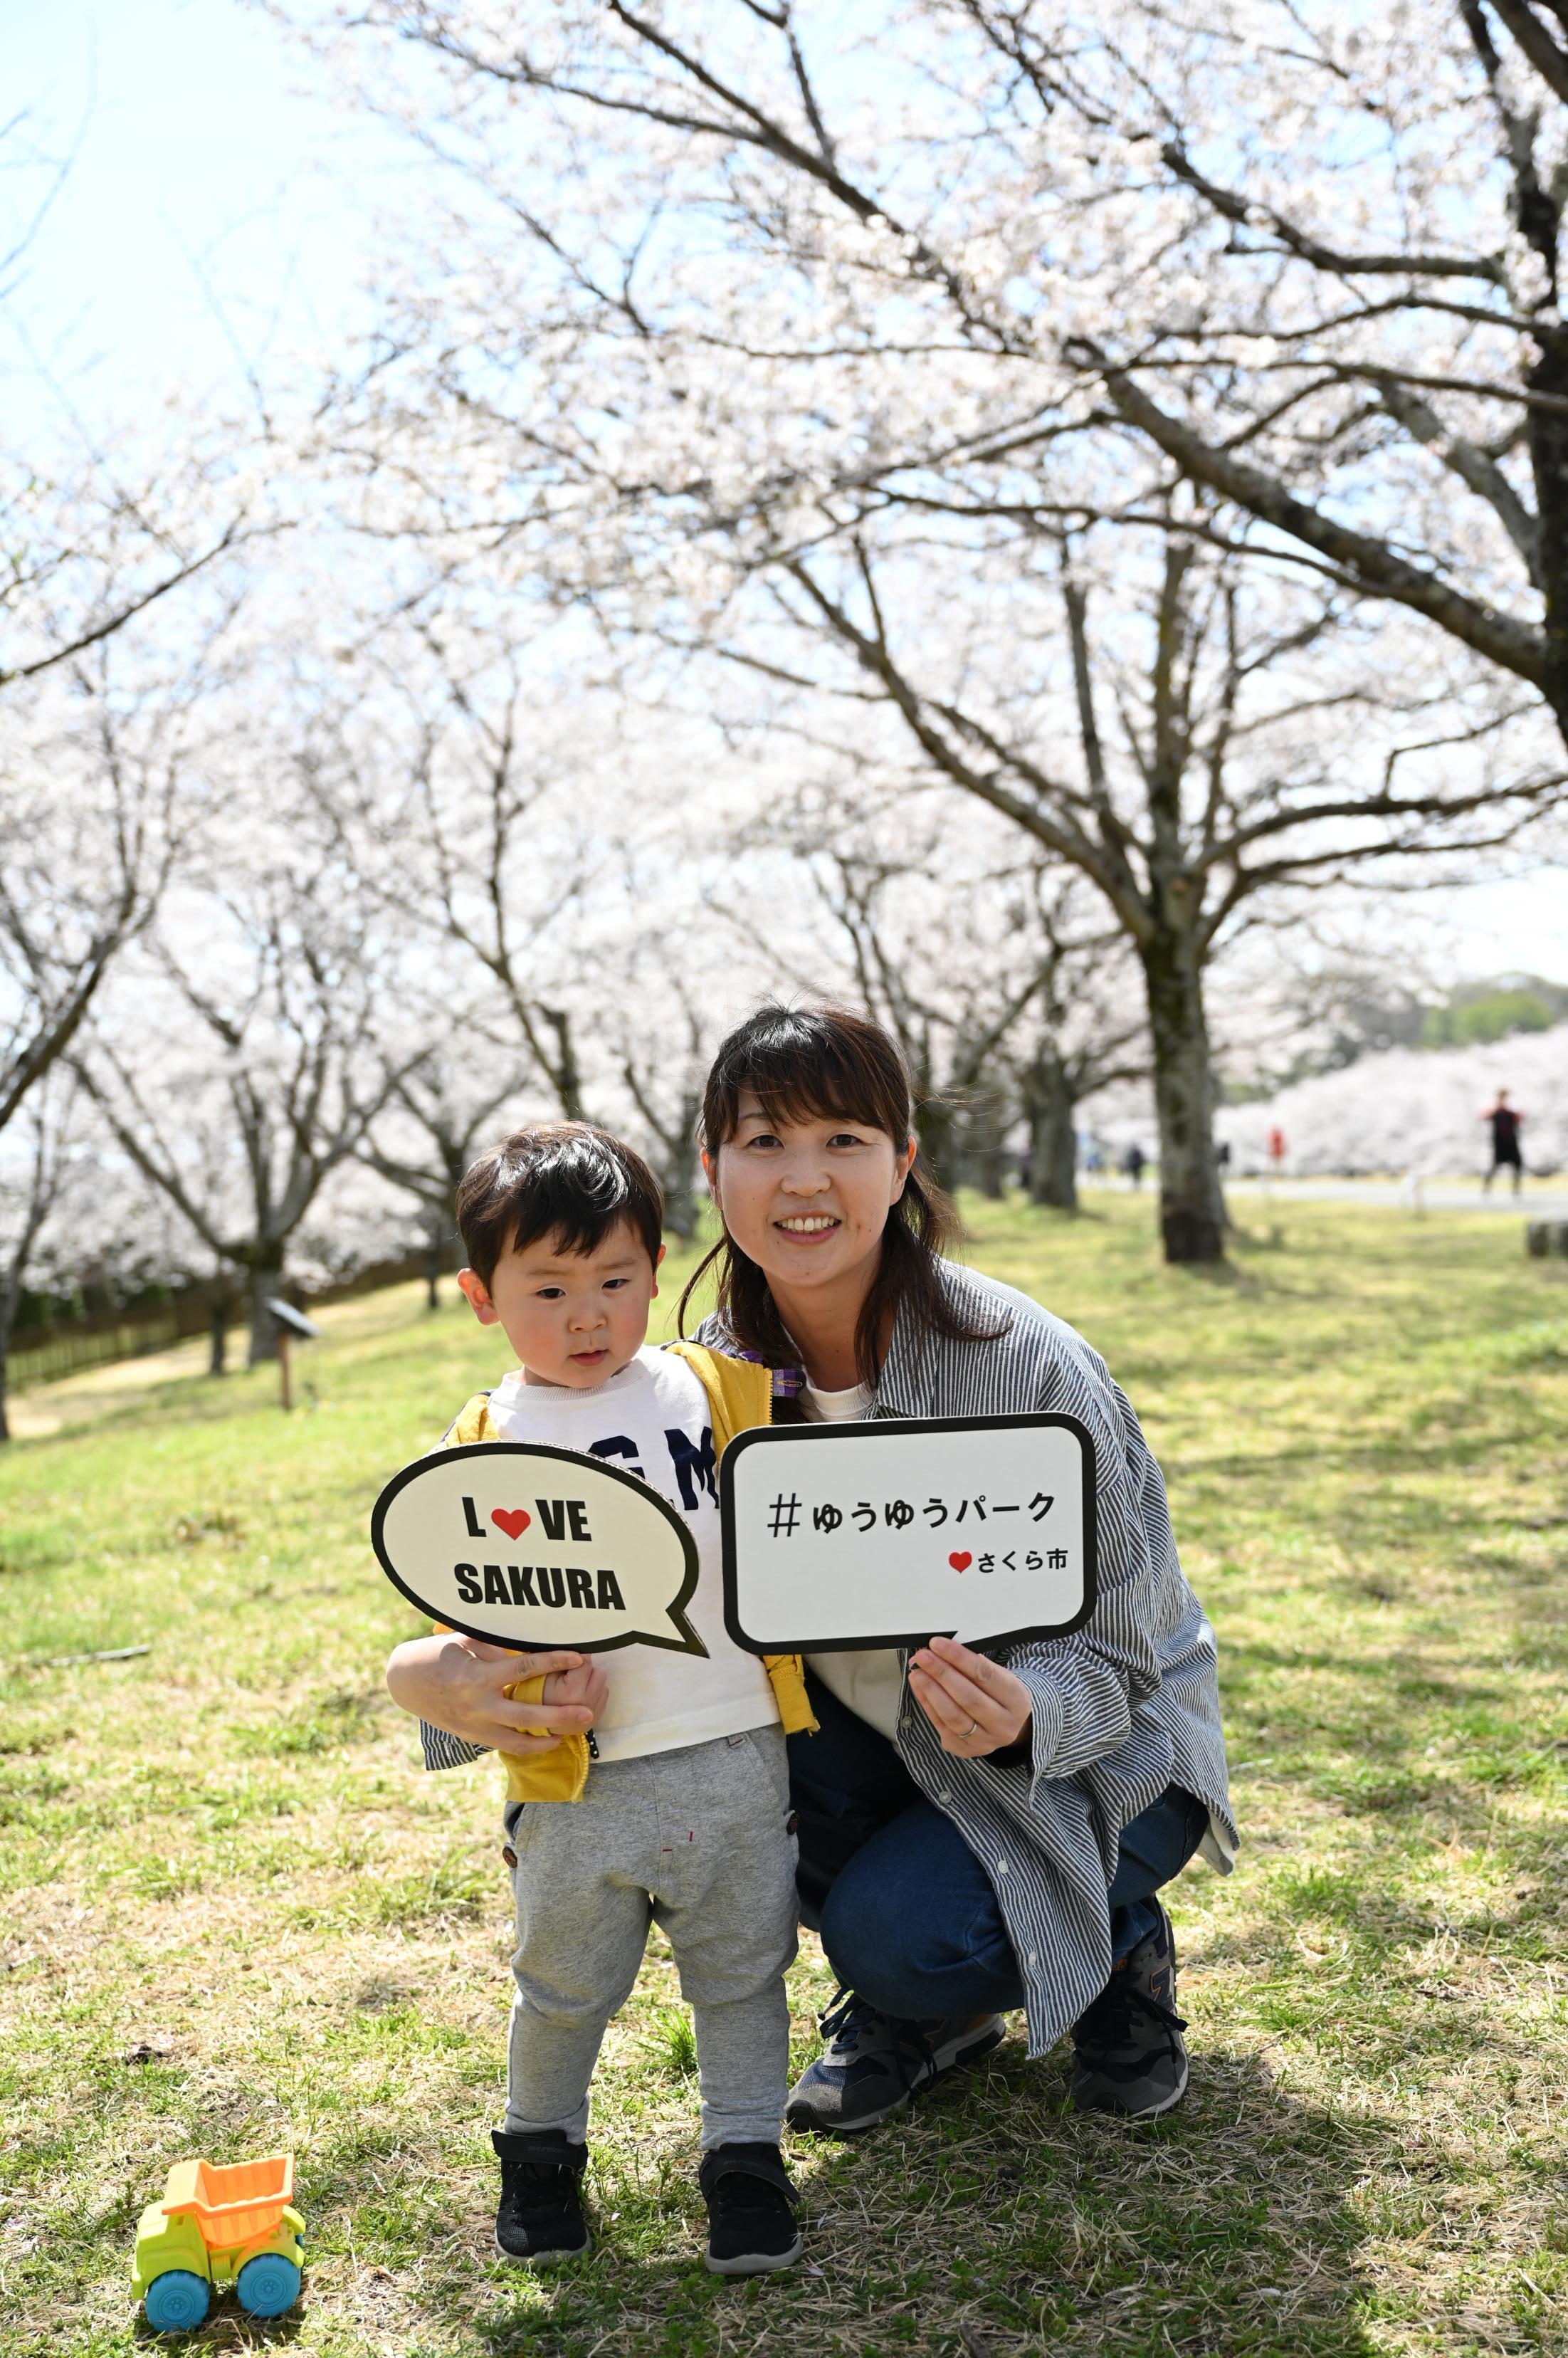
x,y
587,1685
459,1684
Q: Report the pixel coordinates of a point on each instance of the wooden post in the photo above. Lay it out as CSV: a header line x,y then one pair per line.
x,y
283,1366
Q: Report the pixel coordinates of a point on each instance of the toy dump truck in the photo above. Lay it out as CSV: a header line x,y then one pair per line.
x,y
220,2227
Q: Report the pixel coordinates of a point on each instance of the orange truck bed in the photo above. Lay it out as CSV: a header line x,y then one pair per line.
x,y
232,2206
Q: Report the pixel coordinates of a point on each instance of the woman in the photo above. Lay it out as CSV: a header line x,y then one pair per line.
x,y
977,1834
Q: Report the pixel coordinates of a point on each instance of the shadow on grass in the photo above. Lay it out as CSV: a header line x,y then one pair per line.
x,y
990,2221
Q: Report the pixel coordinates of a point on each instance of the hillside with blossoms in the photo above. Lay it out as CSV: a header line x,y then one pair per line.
x,y
1413,1110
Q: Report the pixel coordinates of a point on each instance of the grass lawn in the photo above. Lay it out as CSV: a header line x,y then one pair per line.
x,y
236,1916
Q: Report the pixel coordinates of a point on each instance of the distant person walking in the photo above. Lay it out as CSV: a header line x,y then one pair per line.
x,y
1133,1163
1276,1151
1505,1124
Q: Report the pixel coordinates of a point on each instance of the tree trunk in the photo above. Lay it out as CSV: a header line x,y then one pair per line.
x,y
266,1279
1192,1205
1050,1106
566,1073
990,1169
10,1299
682,1198
1547,429
222,1296
680,1210
433,1238
680,1177
982,1145
936,1127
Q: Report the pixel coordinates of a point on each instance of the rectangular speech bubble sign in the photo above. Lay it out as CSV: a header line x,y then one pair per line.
x,y
531,1546
843,1536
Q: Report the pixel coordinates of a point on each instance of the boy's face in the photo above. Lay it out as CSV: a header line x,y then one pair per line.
x,y
572,1318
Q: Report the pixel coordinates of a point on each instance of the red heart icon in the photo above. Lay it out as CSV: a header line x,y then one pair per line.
x,y
513,1521
960,1562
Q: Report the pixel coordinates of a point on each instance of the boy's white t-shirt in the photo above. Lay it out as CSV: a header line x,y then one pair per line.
x,y
653,1420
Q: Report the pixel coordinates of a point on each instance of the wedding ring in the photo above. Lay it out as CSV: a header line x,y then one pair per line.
x,y
971,1729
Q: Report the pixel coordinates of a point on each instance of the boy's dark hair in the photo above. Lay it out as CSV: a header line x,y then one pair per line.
x,y
561,1179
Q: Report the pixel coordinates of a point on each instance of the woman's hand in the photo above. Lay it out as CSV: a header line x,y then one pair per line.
x,y
974,1704
459,1684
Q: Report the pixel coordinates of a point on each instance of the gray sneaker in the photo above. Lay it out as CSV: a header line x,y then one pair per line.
x,y
874,2063
1129,2056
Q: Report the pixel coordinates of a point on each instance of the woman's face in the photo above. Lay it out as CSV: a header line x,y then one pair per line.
x,y
807,1201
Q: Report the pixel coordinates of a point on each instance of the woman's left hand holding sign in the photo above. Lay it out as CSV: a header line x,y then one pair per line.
x,y
975,1706
459,1684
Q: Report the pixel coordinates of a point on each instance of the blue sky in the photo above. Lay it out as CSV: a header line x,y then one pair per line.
x,y
213,175
219,199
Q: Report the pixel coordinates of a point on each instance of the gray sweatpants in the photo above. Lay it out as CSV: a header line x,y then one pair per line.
x,y
697,1841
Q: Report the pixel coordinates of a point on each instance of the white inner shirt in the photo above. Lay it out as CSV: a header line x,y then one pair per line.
x,y
870,1680
653,1420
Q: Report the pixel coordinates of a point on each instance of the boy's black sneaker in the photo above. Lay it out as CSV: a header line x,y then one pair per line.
x,y
750,2210
1127,2052
540,2219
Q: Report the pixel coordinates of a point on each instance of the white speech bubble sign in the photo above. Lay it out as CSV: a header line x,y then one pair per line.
x,y
842,1536
529,1546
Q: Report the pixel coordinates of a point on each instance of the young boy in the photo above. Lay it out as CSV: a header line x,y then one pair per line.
x,y
683,1817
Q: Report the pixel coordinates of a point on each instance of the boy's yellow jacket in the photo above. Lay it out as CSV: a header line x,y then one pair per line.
x,y
739,1394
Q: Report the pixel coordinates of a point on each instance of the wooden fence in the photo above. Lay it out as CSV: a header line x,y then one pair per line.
x,y
40,1354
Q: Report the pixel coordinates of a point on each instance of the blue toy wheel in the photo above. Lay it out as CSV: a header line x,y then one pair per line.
x,y
176,2301
267,2285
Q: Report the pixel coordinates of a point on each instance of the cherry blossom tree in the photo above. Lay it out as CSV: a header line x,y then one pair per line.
x,y
1122,214
808,349
102,773
552,845
89,549
1342,314
662,1066
1006,1002
469,810
241,1074
437,1114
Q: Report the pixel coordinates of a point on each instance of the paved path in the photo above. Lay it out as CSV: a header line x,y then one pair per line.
x,y
1543,1199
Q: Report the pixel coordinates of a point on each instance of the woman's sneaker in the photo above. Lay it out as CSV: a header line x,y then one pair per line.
x,y
750,2210
1127,2052
540,2219
874,2063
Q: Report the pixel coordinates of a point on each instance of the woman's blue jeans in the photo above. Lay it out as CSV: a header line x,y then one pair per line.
x,y
904,1908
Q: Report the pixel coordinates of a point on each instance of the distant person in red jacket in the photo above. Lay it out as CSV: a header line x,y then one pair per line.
x,y
1276,1151
1505,1122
